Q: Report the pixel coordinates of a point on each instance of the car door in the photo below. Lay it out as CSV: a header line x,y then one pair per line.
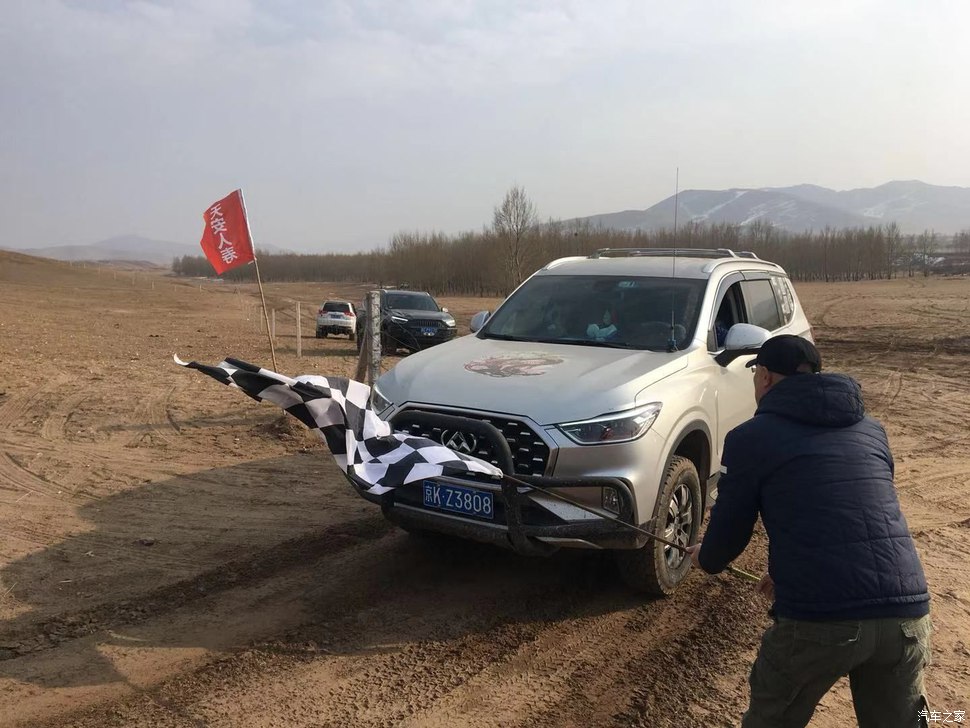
x,y
752,297
735,383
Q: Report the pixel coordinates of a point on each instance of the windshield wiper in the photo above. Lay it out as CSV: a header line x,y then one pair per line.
x,y
594,342
576,342
507,337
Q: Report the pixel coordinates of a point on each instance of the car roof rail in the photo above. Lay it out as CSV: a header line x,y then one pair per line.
x,y
681,252
748,254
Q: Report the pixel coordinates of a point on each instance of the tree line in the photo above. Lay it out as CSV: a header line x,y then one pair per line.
x,y
492,262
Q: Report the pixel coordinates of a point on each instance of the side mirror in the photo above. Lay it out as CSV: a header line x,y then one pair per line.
x,y
445,310
742,340
478,320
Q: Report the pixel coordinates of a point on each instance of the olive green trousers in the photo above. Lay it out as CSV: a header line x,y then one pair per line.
x,y
800,661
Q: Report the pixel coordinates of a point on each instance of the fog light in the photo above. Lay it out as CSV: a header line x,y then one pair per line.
x,y
611,500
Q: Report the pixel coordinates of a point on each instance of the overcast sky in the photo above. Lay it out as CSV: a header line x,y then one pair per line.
x,y
345,122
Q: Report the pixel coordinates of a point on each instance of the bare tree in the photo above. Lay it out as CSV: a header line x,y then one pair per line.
x,y
927,245
513,222
894,244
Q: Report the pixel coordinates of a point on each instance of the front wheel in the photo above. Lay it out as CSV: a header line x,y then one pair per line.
x,y
658,568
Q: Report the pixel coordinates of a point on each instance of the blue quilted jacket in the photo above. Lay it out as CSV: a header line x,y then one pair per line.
x,y
819,472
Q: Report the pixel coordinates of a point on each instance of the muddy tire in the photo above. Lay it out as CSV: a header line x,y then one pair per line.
x,y
352,336
656,568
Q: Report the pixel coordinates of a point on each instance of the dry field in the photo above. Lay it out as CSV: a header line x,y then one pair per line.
x,y
175,554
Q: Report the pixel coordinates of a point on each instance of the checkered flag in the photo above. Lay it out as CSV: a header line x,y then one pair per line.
x,y
338,410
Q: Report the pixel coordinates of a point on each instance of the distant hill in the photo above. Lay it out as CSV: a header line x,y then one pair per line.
x,y
128,248
914,206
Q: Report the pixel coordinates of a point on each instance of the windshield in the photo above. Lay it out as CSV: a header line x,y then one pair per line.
x,y
411,301
628,313
339,306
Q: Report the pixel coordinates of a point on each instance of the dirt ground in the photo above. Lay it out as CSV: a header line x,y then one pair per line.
x,y
175,554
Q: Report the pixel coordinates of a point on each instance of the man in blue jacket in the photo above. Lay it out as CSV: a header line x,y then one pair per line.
x,y
849,593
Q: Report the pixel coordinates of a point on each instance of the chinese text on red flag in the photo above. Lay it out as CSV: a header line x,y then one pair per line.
x,y
225,240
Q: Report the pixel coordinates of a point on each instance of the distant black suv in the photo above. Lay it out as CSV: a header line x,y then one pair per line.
x,y
410,320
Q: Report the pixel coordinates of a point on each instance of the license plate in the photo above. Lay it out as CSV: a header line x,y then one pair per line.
x,y
336,315
429,330
457,499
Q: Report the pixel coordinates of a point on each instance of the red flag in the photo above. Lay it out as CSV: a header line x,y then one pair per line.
x,y
226,241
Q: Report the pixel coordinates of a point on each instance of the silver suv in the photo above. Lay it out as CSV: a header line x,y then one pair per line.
x,y
614,379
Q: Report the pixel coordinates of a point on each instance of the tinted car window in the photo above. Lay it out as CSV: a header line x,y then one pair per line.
x,y
411,301
630,312
762,307
786,300
338,306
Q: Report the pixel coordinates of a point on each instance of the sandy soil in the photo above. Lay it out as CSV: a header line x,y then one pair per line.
x,y
174,554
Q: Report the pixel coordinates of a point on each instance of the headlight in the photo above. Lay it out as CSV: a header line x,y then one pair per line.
x,y
378,401
399,319
619,427
450,322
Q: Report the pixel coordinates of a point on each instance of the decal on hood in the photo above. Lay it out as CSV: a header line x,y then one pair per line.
x,y
514,365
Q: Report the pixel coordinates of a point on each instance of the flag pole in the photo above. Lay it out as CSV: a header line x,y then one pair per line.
x,y
259,282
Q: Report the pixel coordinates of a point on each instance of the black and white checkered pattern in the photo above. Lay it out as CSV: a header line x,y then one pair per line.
x,y
338,410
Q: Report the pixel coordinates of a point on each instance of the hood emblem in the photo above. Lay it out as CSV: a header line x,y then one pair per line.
x,y
514,365
459,441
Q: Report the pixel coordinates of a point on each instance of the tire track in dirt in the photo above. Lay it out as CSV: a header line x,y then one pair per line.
x,y
544,672
890,390
29,636
559,674
14,408
153,413
940,496
76,462
540,649
413,642
54,426
15,477
821,318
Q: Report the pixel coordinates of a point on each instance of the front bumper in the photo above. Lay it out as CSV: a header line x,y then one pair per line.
x,y
525,520
415,337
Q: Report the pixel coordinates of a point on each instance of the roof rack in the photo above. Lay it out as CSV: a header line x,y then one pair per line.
x,y
680,252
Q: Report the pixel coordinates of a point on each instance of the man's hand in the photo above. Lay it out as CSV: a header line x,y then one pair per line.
x,y
695,555
766,588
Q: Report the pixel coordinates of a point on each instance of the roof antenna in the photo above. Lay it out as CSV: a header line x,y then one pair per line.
x,y
672,339
676,193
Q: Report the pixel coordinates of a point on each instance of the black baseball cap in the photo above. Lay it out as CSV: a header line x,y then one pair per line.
x,y
785,353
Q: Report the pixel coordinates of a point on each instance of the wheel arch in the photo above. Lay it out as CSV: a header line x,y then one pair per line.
x,y
694,443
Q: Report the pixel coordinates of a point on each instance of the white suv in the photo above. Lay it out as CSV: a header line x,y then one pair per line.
x,y
612,378
337,317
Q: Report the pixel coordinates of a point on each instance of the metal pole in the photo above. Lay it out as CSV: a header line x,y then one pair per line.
x,y
259,282
299,338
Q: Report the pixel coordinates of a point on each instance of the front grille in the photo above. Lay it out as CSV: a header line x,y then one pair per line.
x,y
530,454
431,323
